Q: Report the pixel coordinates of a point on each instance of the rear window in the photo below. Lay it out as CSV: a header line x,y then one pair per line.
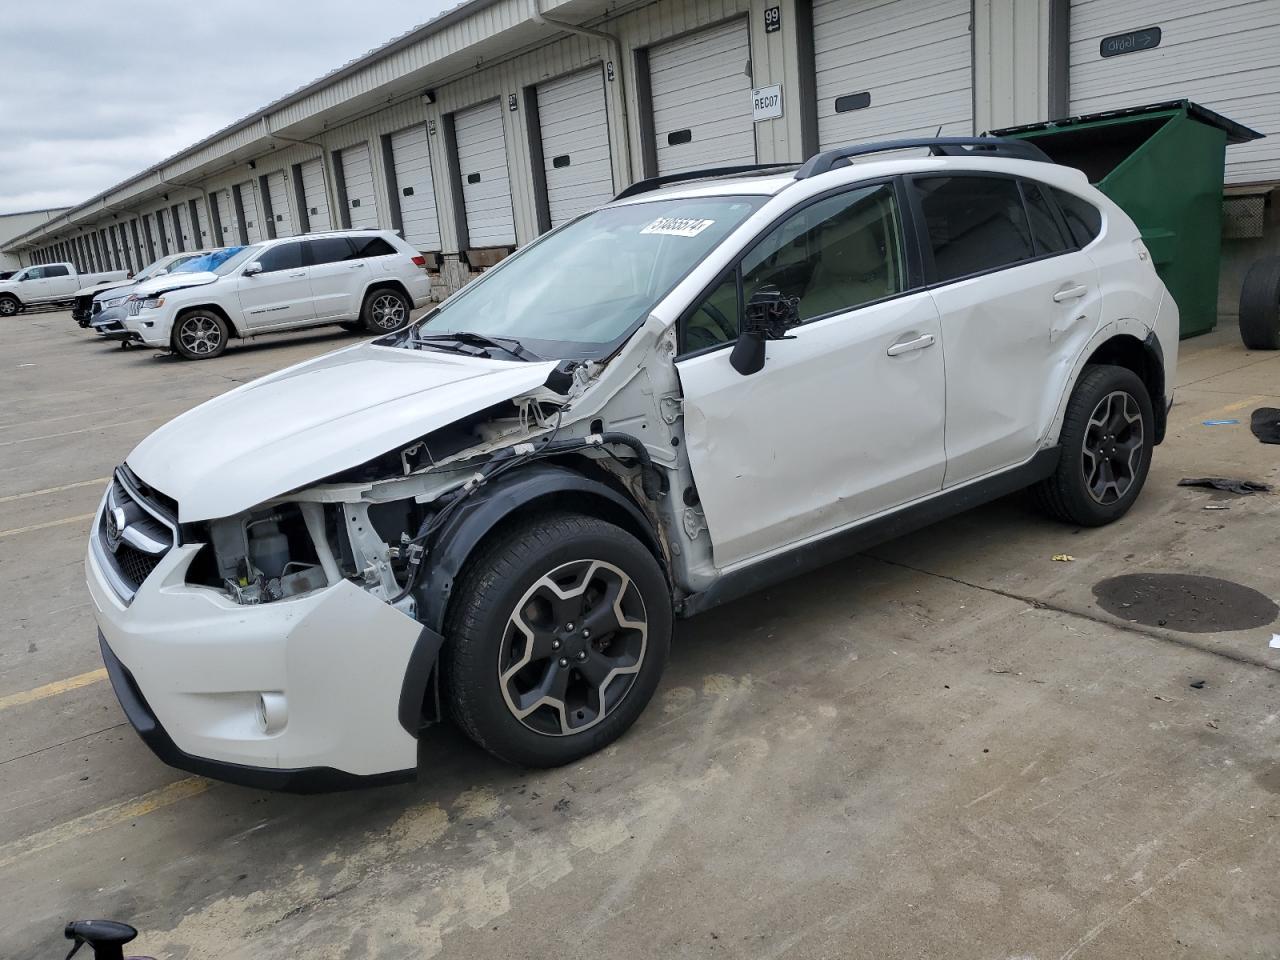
x,y
1045,231
1084,220
371,247
975,224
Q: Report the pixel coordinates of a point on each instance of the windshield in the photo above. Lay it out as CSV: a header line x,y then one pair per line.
x,y
161,266
577,291
220,262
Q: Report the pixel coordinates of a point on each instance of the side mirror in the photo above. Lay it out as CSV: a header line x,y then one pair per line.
x,y
253,269
769,315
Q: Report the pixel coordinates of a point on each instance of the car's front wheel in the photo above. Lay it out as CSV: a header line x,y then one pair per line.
x,y
1107,437
385,310
9,306
199,335
557,637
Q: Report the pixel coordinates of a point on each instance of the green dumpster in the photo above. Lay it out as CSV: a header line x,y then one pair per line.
x,y
1163,164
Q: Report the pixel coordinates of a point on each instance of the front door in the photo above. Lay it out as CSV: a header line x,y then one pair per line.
x,y
846,418
281,294
1017,304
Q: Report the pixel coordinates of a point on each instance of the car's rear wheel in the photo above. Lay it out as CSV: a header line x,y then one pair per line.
x,y
557,638
385,310
1260,305
9,306
1106,441
199,335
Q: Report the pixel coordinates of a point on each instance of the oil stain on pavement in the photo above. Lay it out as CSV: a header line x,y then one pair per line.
x,y
1185,602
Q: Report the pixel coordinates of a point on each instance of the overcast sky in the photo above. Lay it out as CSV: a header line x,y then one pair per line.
x,y
92,91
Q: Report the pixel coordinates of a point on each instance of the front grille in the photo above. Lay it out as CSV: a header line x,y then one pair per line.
x,y
82,307
135,530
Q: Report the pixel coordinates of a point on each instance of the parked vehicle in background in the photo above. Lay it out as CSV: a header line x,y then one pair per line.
x,y
6,274
680,398
108,309
362,279
83,307
48,283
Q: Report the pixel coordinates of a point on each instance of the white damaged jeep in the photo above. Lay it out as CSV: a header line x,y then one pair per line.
x,y
713,383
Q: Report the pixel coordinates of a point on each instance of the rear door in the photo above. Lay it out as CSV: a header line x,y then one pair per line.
x,y
281,294
575,144
336,278
486,186
1018,302
411,157
701,89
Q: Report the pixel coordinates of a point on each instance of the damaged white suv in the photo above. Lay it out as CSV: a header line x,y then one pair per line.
x,y
715,382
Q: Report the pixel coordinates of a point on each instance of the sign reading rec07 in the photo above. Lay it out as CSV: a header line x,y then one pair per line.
x,y
766,103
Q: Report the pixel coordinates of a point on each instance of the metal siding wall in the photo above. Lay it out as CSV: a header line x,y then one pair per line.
x,y
1224,54
1011,62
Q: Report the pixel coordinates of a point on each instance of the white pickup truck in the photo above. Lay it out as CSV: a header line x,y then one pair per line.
x,y
48,283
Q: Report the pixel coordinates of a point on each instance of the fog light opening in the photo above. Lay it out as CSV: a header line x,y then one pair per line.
x,y
273,712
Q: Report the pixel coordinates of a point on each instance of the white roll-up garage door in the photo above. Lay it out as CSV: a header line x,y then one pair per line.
x,y
701,88
204,233
227,219
314,195
165,217
189,241
253,225
889,70
278,191
1223,54
357,174
575,144
415,190
486,185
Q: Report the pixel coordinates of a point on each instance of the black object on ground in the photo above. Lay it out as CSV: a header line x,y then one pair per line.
x,y
1185,602
1229,484
1265,424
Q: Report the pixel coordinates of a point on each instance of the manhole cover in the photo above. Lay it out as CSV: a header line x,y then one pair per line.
x,y
1184,602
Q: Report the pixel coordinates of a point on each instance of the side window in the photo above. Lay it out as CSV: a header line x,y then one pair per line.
x,y
287,256
35,273
833,255
1045,232
330,250
1084,220
974,223
370,247
58,270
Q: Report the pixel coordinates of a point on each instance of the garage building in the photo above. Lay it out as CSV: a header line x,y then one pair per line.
x,y
575,99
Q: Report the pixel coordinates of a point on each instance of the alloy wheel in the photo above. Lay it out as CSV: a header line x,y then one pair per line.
x,y
387,311
7,308
1113,445
200,335
572,647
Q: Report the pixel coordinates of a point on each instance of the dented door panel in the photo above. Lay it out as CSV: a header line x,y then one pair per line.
x,y
832,430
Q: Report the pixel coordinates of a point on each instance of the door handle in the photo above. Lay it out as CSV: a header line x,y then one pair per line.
x,y
300,273
354,266
1070,293
906,346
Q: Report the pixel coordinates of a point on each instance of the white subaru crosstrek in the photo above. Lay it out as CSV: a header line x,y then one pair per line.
x,y
362,279
712,383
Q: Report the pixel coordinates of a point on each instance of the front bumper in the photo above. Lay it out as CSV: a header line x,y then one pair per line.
x,y
189,664
149,327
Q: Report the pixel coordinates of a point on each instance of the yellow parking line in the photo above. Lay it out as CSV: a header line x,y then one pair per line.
x,y
52,689
113,815
47,490
44,526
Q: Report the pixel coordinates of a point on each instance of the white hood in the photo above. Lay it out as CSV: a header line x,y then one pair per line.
x,y
175,281
96,288
315,419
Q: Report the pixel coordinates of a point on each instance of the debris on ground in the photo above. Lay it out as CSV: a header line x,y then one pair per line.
x,y
1227,484
1219,423
1164,699
1063,557
1275,641
1197,684
1265,424
1216,506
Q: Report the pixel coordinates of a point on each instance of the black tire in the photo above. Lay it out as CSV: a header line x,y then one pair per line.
x,y
385,310
484,649
1260,305
199,334
1079,490
10,306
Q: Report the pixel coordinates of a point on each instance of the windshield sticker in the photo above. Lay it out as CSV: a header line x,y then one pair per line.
x,y
677,227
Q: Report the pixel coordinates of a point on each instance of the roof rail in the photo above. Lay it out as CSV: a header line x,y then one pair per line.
x,y
653,183
938,147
